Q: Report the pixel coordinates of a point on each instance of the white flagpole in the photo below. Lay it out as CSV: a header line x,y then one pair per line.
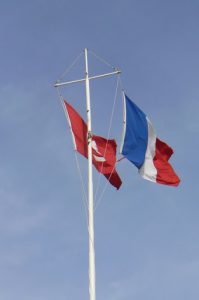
x,y
90,189
87,79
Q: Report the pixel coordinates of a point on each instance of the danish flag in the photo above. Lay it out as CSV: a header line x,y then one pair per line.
x,y
103,150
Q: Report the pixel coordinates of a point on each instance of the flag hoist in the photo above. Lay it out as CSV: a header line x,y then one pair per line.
x,y
92,289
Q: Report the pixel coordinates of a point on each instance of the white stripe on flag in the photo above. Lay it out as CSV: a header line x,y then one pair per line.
x,y
99,158
124,123
148,170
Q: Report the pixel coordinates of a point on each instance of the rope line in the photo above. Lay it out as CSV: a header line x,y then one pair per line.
x,y
104,190
83,190
121,85
120,159
102,60
84,196
108,136
68,69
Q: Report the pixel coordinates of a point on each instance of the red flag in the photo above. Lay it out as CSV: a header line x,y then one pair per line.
x,y
103,150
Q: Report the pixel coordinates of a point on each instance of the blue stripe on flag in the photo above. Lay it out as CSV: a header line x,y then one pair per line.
x,y
136,135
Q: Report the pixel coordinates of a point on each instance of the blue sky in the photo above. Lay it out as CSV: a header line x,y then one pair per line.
x,y
147,244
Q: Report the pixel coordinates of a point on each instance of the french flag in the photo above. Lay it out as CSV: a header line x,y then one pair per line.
x,y
141,147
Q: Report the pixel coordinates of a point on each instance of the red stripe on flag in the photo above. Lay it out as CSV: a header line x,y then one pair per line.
x,y
165,173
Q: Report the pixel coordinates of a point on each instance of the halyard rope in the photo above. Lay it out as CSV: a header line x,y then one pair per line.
x,y
108,136
102,60
83,190
68,69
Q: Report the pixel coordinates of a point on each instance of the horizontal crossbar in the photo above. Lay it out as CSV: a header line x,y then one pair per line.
x,y
58,84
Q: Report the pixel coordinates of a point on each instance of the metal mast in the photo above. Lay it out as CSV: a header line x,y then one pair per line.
x,y
92,289
90,188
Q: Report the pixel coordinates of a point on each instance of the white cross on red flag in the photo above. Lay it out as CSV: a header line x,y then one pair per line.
x,y
103,150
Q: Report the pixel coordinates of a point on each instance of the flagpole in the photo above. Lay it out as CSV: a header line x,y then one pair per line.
x,y
90,187
92,293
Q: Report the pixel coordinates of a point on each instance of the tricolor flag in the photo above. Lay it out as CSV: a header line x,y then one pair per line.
x,y
141,146
103,150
